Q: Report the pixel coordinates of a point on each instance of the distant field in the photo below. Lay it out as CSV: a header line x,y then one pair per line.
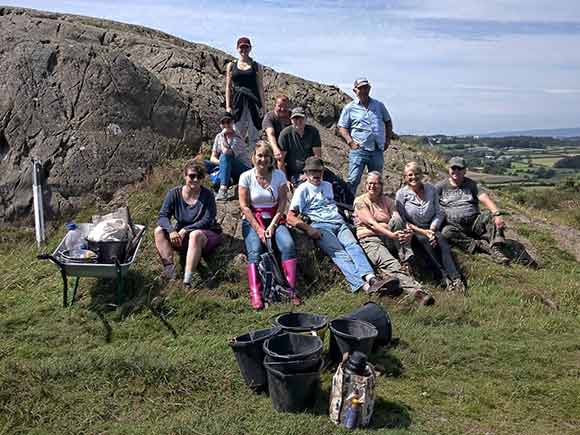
x,y
546,161
490,178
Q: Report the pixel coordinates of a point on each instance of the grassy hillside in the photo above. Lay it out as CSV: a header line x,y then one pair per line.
x,y
500,361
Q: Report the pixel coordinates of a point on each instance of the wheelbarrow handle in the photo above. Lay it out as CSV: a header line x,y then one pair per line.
x,y
50,258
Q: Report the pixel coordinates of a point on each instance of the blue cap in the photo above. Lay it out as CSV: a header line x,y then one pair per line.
x,y
71,226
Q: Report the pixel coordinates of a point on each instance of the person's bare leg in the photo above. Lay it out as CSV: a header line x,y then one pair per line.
x,y
165,251
197,241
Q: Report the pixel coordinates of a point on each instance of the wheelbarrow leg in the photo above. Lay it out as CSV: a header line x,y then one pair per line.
x,y
119,287
64,288
75,288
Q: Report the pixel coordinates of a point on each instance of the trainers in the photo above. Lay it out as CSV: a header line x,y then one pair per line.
x,y
458,286
169,272
497,255
222,195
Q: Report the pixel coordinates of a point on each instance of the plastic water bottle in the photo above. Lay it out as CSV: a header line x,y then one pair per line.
x,y
74,238
352,416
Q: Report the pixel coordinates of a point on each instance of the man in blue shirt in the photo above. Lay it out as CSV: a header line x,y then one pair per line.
x,y
366,126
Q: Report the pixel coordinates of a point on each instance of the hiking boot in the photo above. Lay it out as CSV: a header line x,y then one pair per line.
x,y
169,272
391,286
458,286
373,285
424,298
497,255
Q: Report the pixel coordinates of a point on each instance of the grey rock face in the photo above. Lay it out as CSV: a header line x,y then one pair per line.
x,y
101,103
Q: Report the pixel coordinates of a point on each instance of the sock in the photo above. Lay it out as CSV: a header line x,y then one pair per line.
x,y
369,276
187,277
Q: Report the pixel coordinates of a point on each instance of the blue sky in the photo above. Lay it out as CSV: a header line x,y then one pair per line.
x,y
449,66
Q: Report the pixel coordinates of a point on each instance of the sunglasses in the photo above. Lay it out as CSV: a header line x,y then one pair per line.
x,y
195,176
456,168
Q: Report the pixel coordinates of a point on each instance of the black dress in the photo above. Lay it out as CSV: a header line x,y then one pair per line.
x,y
245,91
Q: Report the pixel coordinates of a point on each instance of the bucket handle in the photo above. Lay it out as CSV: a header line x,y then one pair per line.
x,y
271,320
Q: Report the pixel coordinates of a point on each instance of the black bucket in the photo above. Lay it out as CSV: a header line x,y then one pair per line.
x,y
302,323
108,251
293,347
348,335
249,353
379,318
289,367
294,392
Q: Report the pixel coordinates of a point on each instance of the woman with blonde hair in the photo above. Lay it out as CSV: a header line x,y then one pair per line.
x,y
418,206
263,194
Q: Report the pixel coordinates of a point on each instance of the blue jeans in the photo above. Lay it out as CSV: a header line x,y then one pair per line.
x,y
357,160
255,247
340,245
230,169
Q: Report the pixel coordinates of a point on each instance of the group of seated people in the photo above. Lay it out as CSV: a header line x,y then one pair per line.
x,y
286,168
382,237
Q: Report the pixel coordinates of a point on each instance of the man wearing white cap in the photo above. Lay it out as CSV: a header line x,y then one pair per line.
x,y
366,126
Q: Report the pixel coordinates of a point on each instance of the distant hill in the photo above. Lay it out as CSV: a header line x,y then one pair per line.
x,y
552,132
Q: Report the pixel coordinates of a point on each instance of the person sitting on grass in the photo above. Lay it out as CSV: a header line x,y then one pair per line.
x,y
196,231
418,206
313,200
231,154
465,225
378,227
263,197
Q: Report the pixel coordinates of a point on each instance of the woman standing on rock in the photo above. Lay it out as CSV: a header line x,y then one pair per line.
x,y
418,206
263,197
245,92
196,232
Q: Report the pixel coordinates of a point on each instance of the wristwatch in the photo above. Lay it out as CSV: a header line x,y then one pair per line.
x,y
496,213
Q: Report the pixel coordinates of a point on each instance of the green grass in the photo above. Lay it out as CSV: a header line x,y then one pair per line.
x,y
496,362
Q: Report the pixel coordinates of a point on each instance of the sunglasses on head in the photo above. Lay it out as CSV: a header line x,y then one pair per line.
x,y
195,176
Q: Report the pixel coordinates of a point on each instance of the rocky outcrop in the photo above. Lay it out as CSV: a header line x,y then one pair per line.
x,y
101,103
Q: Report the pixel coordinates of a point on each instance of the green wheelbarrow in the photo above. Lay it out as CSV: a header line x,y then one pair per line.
x,y
115,270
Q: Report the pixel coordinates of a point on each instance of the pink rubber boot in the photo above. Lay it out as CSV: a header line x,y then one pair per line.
x,y
289,267
255,287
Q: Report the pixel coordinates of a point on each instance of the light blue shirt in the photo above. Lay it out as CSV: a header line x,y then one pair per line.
x,y
366,126
316,202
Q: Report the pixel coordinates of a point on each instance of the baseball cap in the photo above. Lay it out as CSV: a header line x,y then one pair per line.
x,y
298,111
313,163
456,161
226,116
361,81
244,40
